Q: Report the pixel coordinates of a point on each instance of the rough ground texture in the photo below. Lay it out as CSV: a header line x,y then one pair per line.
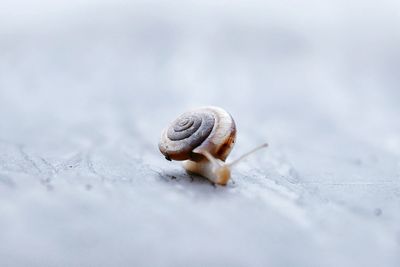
x,y
85,90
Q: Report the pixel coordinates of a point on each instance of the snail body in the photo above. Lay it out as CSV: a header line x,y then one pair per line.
x,y
202,139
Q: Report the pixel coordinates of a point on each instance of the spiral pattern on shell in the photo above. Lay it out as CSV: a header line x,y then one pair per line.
x,y
209,128
188,125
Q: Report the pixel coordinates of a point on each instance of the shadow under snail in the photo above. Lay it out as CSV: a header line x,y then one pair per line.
x,y
202,139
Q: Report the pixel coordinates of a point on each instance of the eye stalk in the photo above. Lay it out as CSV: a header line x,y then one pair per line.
x,y
216,170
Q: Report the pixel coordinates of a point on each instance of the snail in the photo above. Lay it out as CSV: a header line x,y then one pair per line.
x,y
202,139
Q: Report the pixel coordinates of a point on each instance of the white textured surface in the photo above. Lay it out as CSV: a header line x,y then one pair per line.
x,y
86,88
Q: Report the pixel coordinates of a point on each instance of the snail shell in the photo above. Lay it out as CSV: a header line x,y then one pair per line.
x,y
209,129
198,137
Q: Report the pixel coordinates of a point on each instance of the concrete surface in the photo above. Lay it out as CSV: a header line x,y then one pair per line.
x,y
86,88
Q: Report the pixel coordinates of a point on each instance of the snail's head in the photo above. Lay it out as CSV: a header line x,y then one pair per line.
x,y
223,174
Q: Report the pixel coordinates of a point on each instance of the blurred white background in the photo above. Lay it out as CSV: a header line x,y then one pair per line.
x,y
87,86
